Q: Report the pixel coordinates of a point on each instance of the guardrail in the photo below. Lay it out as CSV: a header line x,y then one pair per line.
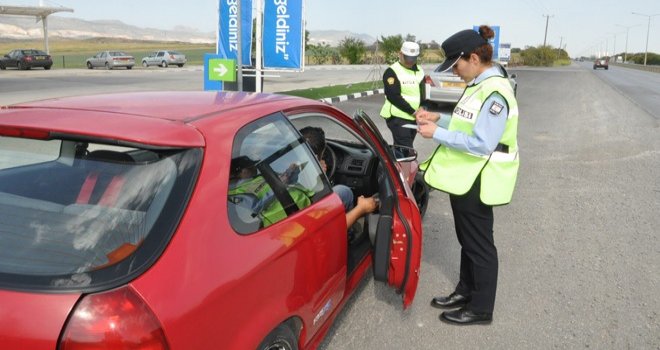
x,y
647,68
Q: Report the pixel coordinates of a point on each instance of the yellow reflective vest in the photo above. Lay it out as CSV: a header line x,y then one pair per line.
x,y
270,211
409,80
455,171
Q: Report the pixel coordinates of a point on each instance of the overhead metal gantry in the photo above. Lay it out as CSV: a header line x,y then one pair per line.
x,y
41,13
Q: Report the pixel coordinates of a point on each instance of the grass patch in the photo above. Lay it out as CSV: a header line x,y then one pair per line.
x,y
334,90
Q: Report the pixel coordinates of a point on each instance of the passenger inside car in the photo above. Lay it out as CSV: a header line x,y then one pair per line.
x,y
248,189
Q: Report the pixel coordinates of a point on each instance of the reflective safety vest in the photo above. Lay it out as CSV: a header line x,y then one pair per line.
x,y
266,205
409,80
455,171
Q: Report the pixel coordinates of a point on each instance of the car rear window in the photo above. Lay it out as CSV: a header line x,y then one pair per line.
x,y
75,214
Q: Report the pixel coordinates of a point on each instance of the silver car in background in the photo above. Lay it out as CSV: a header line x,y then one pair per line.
x,y
447,87
110,60
164,58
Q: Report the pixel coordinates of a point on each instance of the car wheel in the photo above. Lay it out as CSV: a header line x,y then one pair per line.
x,y
144,64
129,67
2,67
107,66
606,68
163,64
421,192
20,66
281,338
180,65
46,67
89,65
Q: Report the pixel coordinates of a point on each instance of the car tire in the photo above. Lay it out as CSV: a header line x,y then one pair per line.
x,y
129,67
47,67
2,67
107,66
607,68
20,66
180,65
89,65
144,64
421,192
281,338
163,64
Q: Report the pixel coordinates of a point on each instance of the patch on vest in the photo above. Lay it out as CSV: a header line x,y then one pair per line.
x,y
463,113
391,80
495,108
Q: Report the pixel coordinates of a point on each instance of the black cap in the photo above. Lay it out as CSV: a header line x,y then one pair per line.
x,y
458,45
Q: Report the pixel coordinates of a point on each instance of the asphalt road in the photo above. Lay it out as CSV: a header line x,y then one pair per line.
x,y
578,246
36,84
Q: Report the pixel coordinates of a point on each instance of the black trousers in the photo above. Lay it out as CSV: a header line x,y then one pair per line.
x,y
474,228
401,136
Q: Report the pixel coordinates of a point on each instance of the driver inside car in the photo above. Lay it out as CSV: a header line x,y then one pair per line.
x,y
315,138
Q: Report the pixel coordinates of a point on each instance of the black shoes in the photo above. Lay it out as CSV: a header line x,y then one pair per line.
x,y
451,300
465,317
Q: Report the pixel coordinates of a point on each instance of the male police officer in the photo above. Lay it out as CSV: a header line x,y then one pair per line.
x,y
404,94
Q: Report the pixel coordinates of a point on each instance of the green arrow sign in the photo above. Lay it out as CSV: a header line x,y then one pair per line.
x,y
222,69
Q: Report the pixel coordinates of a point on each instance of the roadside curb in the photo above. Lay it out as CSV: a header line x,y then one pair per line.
x,y
342,98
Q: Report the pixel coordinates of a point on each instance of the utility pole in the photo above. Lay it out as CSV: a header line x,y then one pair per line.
x,y
547,19
625,52
561,39
648,29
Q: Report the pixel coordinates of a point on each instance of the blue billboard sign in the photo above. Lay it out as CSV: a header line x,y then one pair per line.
x,y
283,34
228,30
494,42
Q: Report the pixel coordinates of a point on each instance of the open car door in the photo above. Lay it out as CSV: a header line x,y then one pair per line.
x,y
398,225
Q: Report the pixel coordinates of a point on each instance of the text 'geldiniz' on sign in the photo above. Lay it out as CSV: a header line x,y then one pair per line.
x,y
229,24
283,39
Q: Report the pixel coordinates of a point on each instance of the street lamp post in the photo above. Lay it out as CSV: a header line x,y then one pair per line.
x,y
648,29
625,52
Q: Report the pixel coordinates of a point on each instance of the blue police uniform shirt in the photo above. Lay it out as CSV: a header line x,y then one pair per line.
x,y
488,129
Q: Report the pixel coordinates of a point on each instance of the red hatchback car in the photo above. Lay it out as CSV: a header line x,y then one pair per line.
x,y
123,224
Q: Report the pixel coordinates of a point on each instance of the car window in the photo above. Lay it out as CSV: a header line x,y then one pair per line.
x,y
175,53
19,152
161,54
273,175
75,214
102,55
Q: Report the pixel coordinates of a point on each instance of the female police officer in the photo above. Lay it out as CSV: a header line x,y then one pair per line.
x,y
476,163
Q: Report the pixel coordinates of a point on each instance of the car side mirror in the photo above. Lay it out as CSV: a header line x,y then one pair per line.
x,y
513,76
404,153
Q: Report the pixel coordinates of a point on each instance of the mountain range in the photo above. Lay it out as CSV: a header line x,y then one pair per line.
x,y
26,28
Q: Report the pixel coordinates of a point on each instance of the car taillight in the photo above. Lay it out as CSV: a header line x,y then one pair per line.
x,y
28,58
428,80
171,57
118,319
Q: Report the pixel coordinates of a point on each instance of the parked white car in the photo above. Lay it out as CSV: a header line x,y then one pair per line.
x,y
110,60
446,87
164,58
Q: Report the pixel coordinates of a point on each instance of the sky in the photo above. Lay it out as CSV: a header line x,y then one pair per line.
x,y
582,27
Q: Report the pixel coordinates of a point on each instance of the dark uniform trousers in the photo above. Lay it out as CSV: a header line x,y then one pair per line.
x,y
474,228
401,136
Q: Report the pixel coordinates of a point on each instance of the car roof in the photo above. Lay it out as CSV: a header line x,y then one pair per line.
x,y
149,118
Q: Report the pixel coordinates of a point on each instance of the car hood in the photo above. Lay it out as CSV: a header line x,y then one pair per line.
x,y
33,320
